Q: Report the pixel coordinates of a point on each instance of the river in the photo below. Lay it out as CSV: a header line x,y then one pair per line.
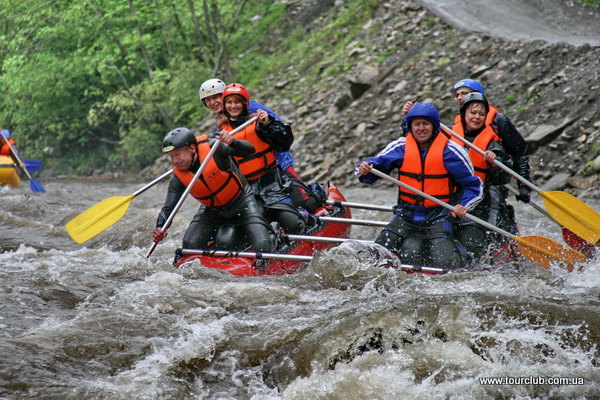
x,y
100,321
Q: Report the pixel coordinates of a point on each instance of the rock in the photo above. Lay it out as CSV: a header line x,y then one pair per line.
x,y
596,164
544,134
557,182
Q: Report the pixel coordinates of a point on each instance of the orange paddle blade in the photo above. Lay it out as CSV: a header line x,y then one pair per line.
x,y
545,252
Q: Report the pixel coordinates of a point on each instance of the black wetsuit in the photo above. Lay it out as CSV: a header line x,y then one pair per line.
x,y
233,226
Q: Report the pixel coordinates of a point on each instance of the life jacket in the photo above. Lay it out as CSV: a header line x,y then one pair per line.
x,y
429,175
214,187
482,141
5,149
489,118
262,161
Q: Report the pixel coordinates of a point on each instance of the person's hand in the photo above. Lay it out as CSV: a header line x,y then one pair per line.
x,y
459,211
159,235
364,168
225,137
407,106
524,194
489,156
263,117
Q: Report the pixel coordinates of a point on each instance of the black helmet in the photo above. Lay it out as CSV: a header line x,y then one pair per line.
x,y
473,97
177,138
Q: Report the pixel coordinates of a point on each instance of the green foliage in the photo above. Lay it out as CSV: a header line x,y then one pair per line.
x,y
511,98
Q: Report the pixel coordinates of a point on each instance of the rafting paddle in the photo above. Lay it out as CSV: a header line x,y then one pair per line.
x,y
212,151
35,186
566,209
538,249
99,217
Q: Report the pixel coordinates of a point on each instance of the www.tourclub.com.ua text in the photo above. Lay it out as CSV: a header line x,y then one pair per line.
x,y
530,380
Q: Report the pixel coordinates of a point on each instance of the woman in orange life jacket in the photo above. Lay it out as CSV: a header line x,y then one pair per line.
x,y
421,230
270,184
229,214
475,126
310,197
512,140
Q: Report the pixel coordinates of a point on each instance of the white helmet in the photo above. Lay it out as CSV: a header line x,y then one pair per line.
x,y
210,87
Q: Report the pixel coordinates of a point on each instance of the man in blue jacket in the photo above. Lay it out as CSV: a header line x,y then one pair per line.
x,y
421,231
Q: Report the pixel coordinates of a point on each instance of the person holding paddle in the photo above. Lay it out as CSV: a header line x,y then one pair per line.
x,y
261,169
7,145
229,216
475,126
309,197
421,231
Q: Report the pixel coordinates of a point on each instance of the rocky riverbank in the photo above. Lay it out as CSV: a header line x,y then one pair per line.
x,y
550,91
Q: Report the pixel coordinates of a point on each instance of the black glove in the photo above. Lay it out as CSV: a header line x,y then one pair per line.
x,y
524,194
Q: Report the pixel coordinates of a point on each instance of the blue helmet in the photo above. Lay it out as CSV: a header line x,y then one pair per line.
x,y
6,133
468,83
424,110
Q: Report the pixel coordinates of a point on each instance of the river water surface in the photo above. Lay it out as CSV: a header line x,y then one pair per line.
x,y
100,321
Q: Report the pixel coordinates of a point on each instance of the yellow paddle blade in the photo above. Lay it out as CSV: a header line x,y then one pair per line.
x,y
573,214
97,218
544,251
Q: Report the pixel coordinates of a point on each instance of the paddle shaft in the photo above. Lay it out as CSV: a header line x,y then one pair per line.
x,y
289,257
321,239
154,182
441,203
212,151
534,205
496,162
352,221
14,152
374,207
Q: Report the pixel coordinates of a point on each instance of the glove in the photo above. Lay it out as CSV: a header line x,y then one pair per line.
x,y
524,194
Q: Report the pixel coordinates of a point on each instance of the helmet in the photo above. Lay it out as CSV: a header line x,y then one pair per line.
x,y
6,133
211,87
473,98
424,110
236,88
177,138
468,83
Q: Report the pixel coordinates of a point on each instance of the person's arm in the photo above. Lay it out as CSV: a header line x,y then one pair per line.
x,y
517,149
230,147
459,166
391,157
277,134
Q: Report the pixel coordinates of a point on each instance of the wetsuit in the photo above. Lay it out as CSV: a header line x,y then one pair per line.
x,y
232,226
421,233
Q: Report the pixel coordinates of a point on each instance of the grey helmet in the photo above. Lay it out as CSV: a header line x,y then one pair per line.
x,y
211,87
177,138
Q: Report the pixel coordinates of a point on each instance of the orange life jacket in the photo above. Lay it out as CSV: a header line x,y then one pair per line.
x,y
482,141
5,149
214,187
262,161
429,175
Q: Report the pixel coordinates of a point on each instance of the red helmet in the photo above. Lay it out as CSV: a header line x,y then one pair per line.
x,y
236,88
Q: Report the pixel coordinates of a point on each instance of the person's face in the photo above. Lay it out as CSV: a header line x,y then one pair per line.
x,y
475,116
421,129
460,94
214,103
183,157
234,105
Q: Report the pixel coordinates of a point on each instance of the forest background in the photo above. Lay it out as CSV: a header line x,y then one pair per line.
x,y
91,87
